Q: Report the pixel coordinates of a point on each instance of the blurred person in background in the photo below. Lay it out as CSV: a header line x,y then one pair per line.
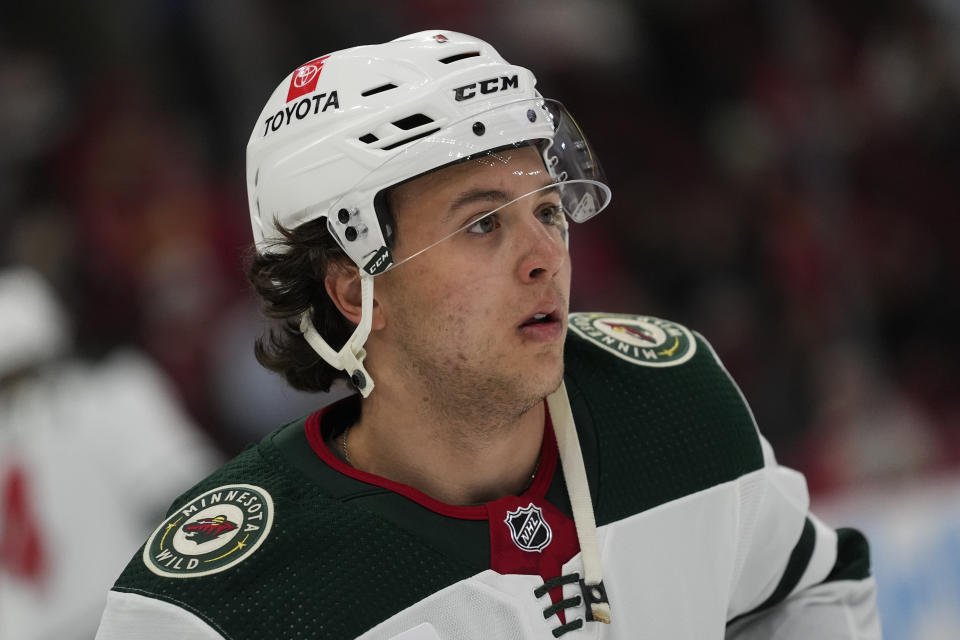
x,y
89,455
458,492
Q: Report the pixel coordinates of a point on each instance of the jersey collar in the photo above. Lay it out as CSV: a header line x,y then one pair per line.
x,y
314,431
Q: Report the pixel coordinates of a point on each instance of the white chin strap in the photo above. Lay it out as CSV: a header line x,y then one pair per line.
x,y
350,357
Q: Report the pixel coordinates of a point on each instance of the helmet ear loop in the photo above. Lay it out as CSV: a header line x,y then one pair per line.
x,y
351,355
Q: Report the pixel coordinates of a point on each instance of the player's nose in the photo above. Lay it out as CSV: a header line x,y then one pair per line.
x,y
543,250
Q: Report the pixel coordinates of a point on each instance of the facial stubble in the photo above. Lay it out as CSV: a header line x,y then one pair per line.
x,y
474,398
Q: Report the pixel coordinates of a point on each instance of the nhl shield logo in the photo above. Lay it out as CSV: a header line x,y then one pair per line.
x,y
528,529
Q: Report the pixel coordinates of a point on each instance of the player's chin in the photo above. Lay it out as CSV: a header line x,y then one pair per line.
x,y
549,373
534,390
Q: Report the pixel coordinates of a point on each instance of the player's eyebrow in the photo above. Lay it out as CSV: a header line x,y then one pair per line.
x,y
472,196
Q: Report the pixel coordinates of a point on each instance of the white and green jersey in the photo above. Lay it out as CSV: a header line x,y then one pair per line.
x,y
701,534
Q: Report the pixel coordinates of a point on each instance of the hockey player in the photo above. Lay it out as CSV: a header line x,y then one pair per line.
x,y
90,453
505,470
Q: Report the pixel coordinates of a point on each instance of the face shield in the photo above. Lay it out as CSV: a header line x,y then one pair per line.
x,y
524,165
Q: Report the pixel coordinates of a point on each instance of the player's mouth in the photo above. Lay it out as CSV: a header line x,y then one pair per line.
x,y
545,325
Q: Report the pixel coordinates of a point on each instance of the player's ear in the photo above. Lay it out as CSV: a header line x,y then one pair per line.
x,y
342,283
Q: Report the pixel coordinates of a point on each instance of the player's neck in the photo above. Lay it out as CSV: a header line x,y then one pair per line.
x,y
455,461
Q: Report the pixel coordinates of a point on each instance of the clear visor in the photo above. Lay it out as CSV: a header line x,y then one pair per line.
x,y
473,227
515,171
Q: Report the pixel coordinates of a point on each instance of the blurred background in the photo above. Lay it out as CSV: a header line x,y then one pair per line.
x,y
786,178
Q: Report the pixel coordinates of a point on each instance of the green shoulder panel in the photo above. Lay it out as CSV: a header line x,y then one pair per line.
x,y
853,557
207,562
659,418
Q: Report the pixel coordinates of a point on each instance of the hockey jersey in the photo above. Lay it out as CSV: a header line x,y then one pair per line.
x,y
701,533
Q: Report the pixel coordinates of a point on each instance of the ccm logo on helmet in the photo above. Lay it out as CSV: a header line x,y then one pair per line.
x,y
491,85
301,110
380,261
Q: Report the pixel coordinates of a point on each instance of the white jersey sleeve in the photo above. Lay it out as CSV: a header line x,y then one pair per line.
x,y
787,564
795,577
843,610
129,616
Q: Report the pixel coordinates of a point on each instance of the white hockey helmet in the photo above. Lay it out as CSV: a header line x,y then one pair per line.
x,y
34,328
342,128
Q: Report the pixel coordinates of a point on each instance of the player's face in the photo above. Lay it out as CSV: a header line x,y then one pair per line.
x,y
482,314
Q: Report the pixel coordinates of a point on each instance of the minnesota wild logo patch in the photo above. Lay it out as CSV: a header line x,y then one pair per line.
x,y
211,533
642,340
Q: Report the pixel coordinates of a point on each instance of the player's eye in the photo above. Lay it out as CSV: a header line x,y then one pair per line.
x,y
550,214
484,225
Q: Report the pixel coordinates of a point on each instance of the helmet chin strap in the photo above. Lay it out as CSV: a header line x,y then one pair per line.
x,y
350,357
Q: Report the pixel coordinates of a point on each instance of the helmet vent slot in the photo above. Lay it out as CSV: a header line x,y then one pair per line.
x,y
412,122
459,56
380,89
417,136
368,138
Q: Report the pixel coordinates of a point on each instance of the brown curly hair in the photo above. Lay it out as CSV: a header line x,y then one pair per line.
x,y
289,278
